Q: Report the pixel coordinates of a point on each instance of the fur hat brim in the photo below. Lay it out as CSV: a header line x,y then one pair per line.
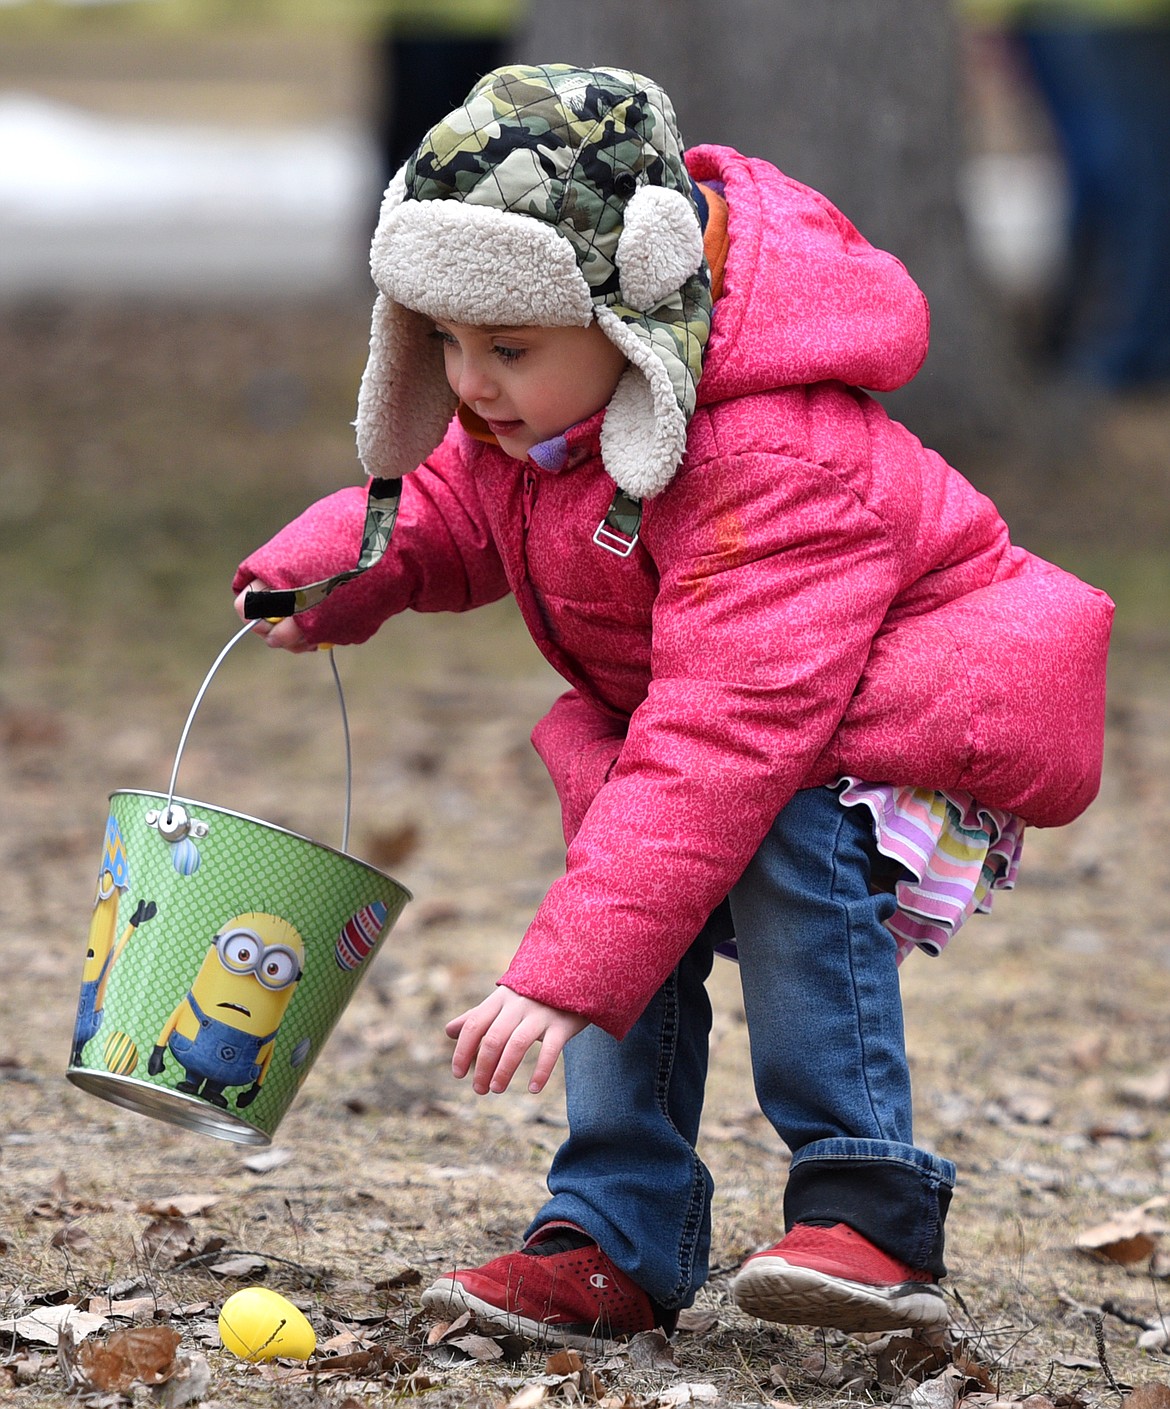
x,y
474,263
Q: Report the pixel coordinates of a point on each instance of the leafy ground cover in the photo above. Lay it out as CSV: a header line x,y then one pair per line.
x,y
146,448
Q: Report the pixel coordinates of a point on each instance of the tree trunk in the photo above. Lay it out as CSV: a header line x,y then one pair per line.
x,y
858,98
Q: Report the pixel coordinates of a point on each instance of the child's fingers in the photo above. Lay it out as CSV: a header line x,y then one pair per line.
x,y
287,635
550,1050
498,1071
469,1029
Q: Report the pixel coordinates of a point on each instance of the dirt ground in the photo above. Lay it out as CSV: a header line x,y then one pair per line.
x,y
146,449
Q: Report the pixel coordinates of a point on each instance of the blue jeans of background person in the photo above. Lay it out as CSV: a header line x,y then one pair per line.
x,y
824,1017
1108,91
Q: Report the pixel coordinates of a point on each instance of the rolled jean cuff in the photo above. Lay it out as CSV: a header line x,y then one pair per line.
x,y
895,1195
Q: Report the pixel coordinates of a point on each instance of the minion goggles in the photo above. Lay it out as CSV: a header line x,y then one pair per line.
x,y
242,951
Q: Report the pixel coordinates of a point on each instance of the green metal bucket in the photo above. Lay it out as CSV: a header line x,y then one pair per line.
x,y
222,951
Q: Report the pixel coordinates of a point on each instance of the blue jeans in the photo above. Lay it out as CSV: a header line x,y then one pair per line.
x,y
824,1017
1107,87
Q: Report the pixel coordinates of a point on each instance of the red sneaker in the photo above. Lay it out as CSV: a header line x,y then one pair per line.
x,y
560,1287
835,1277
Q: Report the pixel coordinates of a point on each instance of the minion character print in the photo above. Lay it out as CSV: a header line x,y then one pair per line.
x,y
224,1031
103,950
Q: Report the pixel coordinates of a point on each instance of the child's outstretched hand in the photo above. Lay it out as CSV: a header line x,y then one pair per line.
x,y
284,634
496,1034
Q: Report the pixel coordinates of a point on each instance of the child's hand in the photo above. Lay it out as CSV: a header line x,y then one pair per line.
x,y
284,635
497,1033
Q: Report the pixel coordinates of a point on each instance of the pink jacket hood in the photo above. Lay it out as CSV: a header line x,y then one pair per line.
x,y
805,297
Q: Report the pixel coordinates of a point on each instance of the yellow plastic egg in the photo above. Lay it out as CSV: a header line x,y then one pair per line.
x,y
258,1324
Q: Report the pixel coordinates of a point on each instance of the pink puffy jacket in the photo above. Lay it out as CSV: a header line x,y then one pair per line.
x,y
814,594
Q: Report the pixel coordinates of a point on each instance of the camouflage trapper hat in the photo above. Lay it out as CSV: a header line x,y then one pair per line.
x,y
553,196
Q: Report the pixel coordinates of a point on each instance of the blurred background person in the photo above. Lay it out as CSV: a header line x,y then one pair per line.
x,y
1102,69
428,56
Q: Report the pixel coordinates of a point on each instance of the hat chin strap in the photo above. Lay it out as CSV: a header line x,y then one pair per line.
x,y
381,515
644,433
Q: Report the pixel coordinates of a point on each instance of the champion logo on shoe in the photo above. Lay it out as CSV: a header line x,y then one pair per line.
x,y
573,1295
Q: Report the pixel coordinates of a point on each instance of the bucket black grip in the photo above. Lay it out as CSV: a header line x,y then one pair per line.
x,y
260,605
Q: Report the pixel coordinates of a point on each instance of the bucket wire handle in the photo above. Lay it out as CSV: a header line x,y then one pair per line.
x,y
166,817
382,500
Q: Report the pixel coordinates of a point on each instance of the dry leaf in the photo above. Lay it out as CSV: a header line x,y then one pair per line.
x,y
137,1355
697,1320
72,1236
408,1277
1156,1337
391,846
266,1160
940,1393
1152,1089
168,1239
688,1394
137,1308
380,1360
905,1358
528,1398
1128,1126
481,1348
1150,1396
821,1368
182,1206
44,1324
188,1385
564,1362
1127,1238
1030,1109
243,1264
1087,1052
650,1350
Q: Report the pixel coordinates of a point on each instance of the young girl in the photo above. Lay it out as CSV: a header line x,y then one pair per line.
x,y
816,692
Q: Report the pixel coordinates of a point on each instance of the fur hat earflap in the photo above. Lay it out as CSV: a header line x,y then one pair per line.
x,y
553,196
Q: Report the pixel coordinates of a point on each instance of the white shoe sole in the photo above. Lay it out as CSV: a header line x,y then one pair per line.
x,y
775,1290
449,1298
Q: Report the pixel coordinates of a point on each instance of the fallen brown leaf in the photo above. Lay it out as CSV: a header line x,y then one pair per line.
x,y
1150,1089
1149,1396
408,1277
650,1350
137,1308
697,1321
72,1236
482,1348
564,1362
392,845
188,1385
267,1160
905,1358
168,1239
243,1264
181,1206
45,1325
1127,1238
137,1355
382,1360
